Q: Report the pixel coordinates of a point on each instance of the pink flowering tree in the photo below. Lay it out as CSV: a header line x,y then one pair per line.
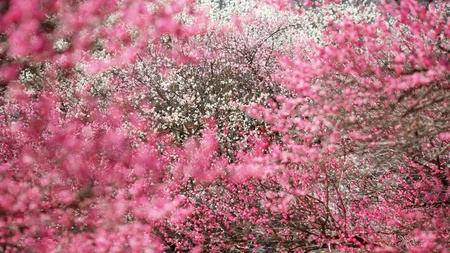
x,y
347,148
360,158
93,178
68,33
79,172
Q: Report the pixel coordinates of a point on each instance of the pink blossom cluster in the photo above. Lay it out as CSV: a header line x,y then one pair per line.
x,y
145,126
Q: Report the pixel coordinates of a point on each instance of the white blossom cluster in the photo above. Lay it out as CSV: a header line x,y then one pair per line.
x,y
301,23
187,96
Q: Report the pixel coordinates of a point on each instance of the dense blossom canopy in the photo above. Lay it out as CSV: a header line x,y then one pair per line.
x,y
230,126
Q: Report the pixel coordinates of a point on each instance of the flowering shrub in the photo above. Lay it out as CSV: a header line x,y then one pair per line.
x,y
361,158
79,172
145,126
